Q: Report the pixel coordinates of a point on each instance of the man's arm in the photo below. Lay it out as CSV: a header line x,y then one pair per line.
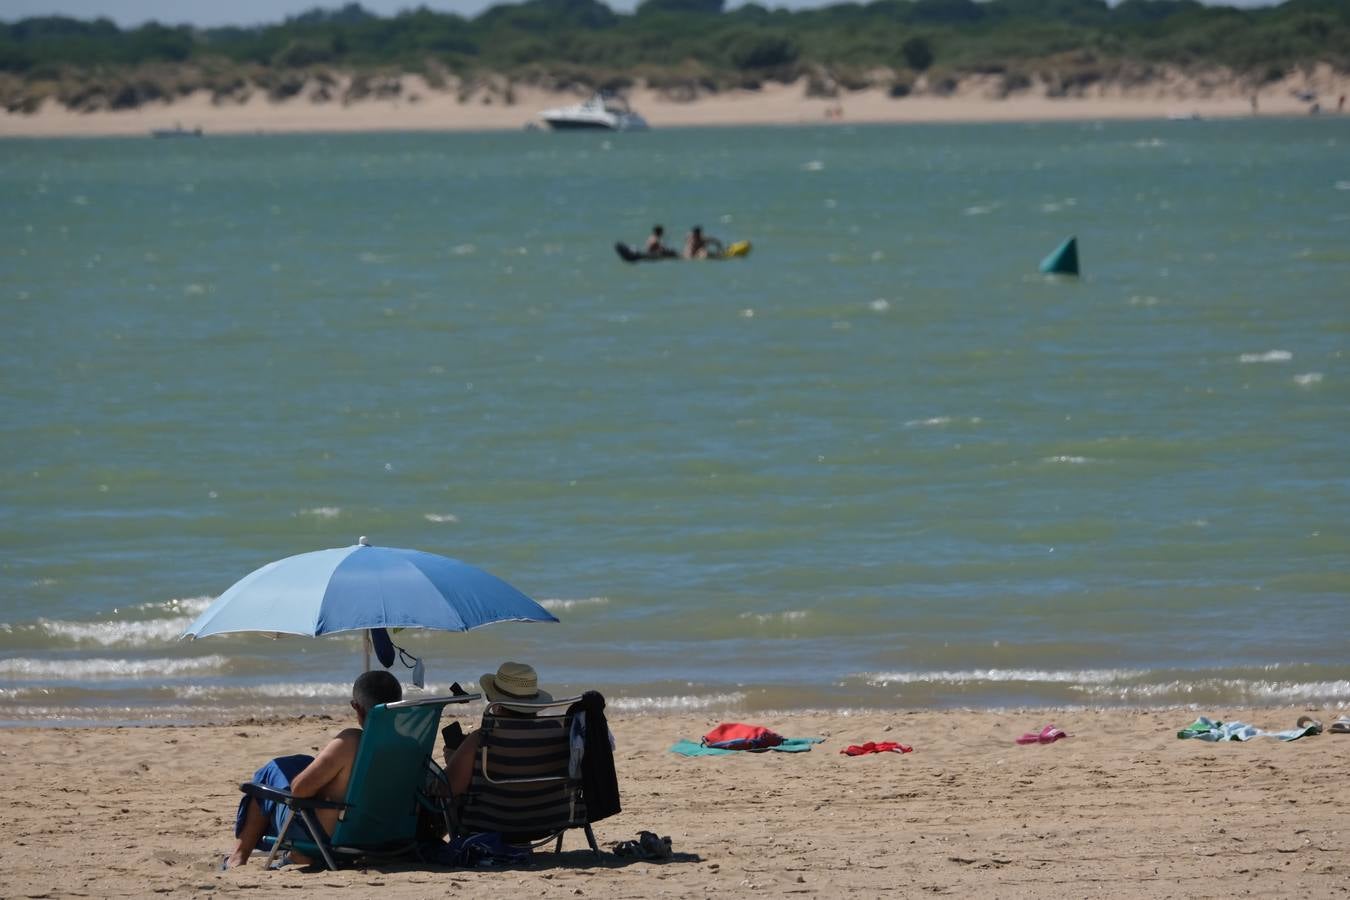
x,y
459,767
332,762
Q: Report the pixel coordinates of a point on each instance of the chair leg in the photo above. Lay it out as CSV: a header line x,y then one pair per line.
x,y
276,844
590,839
320,837
557,847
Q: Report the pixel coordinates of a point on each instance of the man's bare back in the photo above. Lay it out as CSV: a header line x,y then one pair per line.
x,y
327,777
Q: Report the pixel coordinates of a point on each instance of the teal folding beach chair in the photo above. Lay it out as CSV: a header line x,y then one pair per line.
x,y
378,817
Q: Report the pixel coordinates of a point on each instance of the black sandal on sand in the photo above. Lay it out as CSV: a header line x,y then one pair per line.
x,y
647,846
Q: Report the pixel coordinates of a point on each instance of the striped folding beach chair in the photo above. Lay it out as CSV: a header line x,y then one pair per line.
x,y
521,785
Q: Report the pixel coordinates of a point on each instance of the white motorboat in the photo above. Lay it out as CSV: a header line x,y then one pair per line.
x,y
602,111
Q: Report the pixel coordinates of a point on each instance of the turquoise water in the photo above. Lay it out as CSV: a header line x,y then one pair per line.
x,y
879,463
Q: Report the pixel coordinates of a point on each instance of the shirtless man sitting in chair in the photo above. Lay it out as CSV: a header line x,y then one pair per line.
x,y
324,776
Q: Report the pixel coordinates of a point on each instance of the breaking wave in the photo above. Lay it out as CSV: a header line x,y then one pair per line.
x,y
554,604
321,512
1270,356
787,615
1240,690
88,669
939,421
176,615
975,676
687,702
295,690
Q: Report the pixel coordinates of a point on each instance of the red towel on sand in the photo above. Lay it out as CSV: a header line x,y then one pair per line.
x,y
873,747
737,736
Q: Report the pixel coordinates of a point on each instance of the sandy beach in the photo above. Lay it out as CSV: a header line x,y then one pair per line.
x,y
420,107
1121,808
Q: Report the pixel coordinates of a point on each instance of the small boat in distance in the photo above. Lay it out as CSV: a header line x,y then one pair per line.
x,y
734,250
177,131
601,111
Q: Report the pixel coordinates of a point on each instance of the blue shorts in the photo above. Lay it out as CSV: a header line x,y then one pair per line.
x,y
276,774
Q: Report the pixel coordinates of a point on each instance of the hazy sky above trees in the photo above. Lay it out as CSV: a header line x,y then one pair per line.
x,y
255,12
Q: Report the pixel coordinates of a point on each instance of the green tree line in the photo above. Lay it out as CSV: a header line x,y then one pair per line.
x,y
696,42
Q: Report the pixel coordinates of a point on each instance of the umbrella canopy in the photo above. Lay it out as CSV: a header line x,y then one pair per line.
x,y
359,587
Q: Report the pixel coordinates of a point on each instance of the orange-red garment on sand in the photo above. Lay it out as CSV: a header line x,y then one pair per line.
x,y
738,736
873,747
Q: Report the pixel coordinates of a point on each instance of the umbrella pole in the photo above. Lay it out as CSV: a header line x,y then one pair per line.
x,y
365,650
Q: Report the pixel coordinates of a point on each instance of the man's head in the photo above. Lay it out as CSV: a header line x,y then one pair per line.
x,y
658,230
698,230
373,688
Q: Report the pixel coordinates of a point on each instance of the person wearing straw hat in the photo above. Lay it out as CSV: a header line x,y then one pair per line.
x,y
511,681
514,681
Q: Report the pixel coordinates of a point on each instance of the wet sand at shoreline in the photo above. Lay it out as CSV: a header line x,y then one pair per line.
x,y
1121,808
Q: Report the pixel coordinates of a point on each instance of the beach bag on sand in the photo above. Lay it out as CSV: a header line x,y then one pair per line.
x,y
737,736
480,851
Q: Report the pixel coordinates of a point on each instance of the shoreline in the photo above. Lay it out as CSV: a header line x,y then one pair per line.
x,y
974,120
1121,807
233,717
421,108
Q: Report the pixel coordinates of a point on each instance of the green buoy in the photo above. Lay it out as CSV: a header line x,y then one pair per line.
x,y
1064,261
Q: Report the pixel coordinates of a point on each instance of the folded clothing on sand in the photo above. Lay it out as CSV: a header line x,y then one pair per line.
x,y
874,747
789,745
739,736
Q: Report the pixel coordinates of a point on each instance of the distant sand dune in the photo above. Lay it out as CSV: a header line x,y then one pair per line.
x,y
410,104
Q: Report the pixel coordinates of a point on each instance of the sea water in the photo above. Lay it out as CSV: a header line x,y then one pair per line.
x,y
880,463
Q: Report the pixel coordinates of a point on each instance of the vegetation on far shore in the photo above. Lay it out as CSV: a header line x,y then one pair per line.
x,y
682,47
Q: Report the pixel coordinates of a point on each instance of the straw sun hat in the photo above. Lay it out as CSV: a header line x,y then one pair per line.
x,y
514,681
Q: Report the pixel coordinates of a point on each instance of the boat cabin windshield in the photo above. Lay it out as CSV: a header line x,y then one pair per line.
x,y
610,103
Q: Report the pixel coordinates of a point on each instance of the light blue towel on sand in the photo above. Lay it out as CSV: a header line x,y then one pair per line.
x,y
1222,731
1298,731
789,745
1206,729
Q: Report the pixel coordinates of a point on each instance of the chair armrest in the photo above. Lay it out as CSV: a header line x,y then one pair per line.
x,y
263,792
444,700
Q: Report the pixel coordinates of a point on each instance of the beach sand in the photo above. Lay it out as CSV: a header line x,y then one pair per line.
x,y
1121,808
419,107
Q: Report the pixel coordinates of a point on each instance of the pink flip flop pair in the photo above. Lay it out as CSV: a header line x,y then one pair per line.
x,y
1047,735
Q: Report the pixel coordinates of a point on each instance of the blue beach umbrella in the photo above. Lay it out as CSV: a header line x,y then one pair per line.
x,y
363,587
